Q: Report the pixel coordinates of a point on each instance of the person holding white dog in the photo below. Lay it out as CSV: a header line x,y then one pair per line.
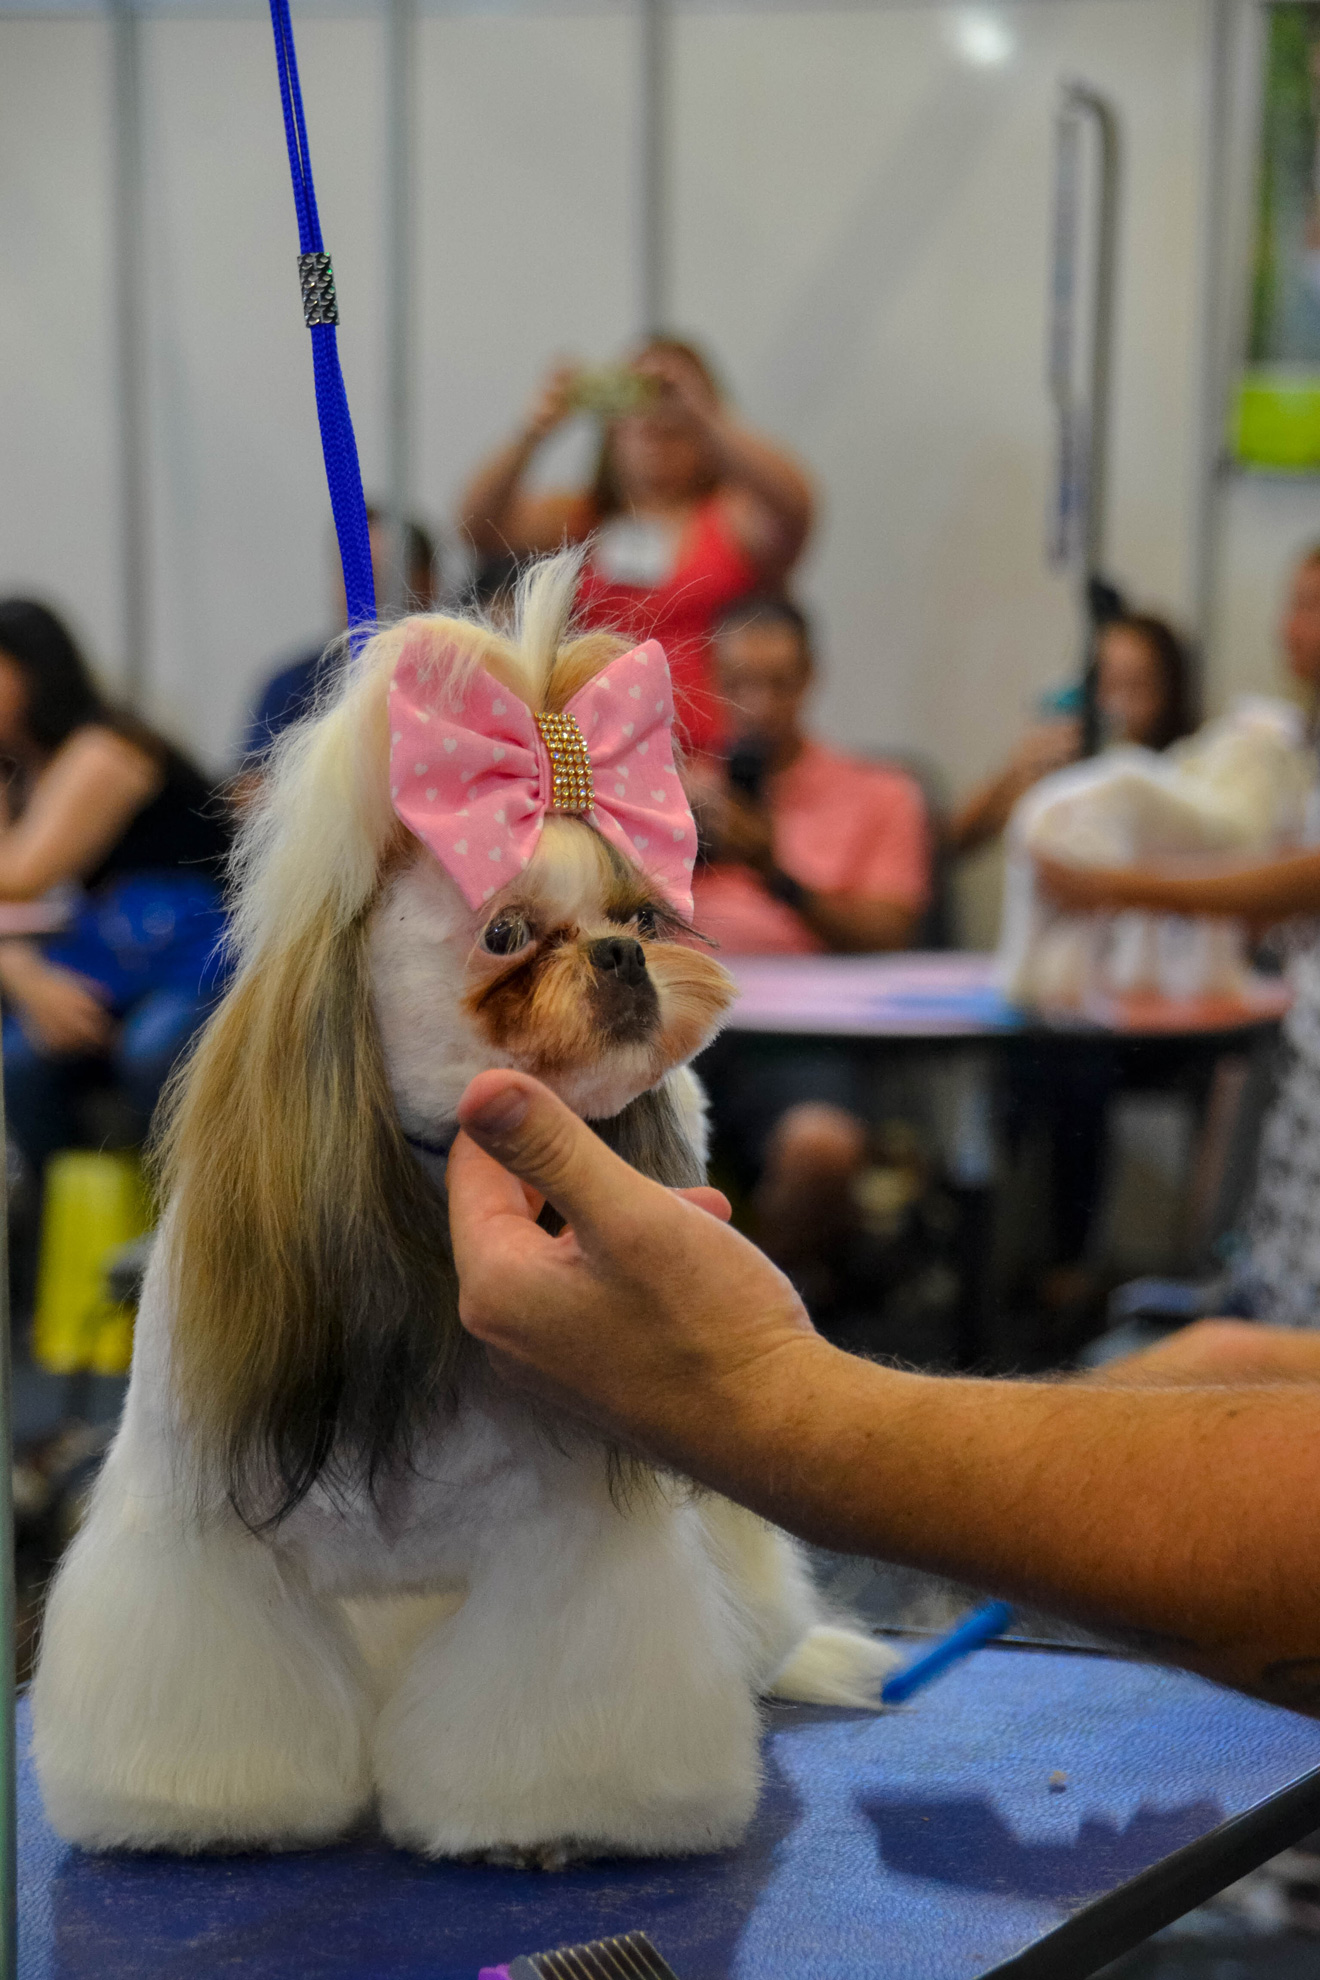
x,y
1175,1501
1276,1276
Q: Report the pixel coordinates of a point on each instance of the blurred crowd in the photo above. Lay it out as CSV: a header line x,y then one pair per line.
x,y
692,524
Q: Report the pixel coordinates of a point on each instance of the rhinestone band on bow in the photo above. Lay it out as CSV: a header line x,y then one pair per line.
x,y
569,762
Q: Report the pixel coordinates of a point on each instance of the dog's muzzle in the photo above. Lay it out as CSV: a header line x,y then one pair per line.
x,y
619,956
624,993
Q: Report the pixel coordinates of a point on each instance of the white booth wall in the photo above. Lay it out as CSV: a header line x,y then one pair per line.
x,y
860,224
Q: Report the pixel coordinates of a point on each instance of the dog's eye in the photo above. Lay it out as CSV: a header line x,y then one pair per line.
x,y
505,935
647,923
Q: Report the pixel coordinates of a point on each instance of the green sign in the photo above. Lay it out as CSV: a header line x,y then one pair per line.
x,y
1276,422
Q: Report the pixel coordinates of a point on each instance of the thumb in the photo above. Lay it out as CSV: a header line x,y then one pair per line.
x,y
541,1141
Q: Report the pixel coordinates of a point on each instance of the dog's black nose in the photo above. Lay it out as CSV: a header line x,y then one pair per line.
x,y
619,956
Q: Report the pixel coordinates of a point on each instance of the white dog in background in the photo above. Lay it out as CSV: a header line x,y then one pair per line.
x,y
1241,785
330,1562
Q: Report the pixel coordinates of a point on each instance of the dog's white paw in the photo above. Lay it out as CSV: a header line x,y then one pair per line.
x,y
833,1665
543,1856
97,1819
579,1822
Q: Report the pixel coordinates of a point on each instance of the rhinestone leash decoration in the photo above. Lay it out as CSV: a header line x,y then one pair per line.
x,y
321,315
569,762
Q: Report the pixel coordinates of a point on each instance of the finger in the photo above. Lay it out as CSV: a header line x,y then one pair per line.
x,y
492,1216
713,1201
481,1189
502,1257
531,1132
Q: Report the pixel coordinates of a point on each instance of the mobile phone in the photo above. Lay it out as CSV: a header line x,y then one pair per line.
x,y
612,390
746,766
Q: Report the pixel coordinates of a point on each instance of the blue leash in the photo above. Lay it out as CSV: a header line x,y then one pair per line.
x,y
321,314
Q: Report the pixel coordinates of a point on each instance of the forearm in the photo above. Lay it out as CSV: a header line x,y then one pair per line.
x,y
1184,1516
765,471
854,926
984,814
1267,892
27,872
21,962
487,506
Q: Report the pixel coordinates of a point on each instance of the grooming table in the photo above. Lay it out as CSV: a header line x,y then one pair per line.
x,y
1033,1814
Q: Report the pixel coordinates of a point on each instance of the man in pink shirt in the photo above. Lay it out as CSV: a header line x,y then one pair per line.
x,y
807,849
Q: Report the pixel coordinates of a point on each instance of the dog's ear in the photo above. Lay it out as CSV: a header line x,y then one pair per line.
x,y
316,1307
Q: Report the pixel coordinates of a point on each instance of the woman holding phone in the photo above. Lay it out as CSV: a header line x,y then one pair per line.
x,y
688,509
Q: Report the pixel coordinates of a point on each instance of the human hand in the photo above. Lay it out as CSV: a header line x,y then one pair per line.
x,y
648,1314
680,383
1046,747
61,1011
553,402
738,828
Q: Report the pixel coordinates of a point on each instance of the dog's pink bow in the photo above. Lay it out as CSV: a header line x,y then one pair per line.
x,y
475,781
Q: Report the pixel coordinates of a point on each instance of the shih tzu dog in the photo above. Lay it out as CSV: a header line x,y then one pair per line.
x,y
330,1562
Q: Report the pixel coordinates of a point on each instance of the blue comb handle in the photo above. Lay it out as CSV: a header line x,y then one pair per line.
x,y
970,1634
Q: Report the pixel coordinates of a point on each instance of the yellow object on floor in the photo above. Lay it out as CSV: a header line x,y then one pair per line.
x,y
95,1202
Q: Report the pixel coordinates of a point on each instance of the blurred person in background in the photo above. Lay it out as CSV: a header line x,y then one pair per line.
x,y
1278,1275
688,510
292,691
1144,693
97,802
491,591
807,850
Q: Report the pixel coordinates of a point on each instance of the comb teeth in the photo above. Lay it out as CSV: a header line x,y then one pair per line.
x,y
631,1957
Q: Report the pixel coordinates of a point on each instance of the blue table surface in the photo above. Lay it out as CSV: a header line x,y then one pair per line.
x,y
924,1844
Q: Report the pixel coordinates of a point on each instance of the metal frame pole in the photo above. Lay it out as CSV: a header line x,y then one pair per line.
x,y
401,65
1231,151
1091,104
1068,471
653,207
1078,525
129,339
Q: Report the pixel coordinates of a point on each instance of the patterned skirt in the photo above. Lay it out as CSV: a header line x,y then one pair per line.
x,y
1282,1267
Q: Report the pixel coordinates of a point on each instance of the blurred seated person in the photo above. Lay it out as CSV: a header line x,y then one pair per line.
x,y
491,590
688,510
97,802
1143,692
292,691
808,850
1277,1276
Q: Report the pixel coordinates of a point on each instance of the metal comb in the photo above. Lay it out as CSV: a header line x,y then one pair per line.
x,y
630,1957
